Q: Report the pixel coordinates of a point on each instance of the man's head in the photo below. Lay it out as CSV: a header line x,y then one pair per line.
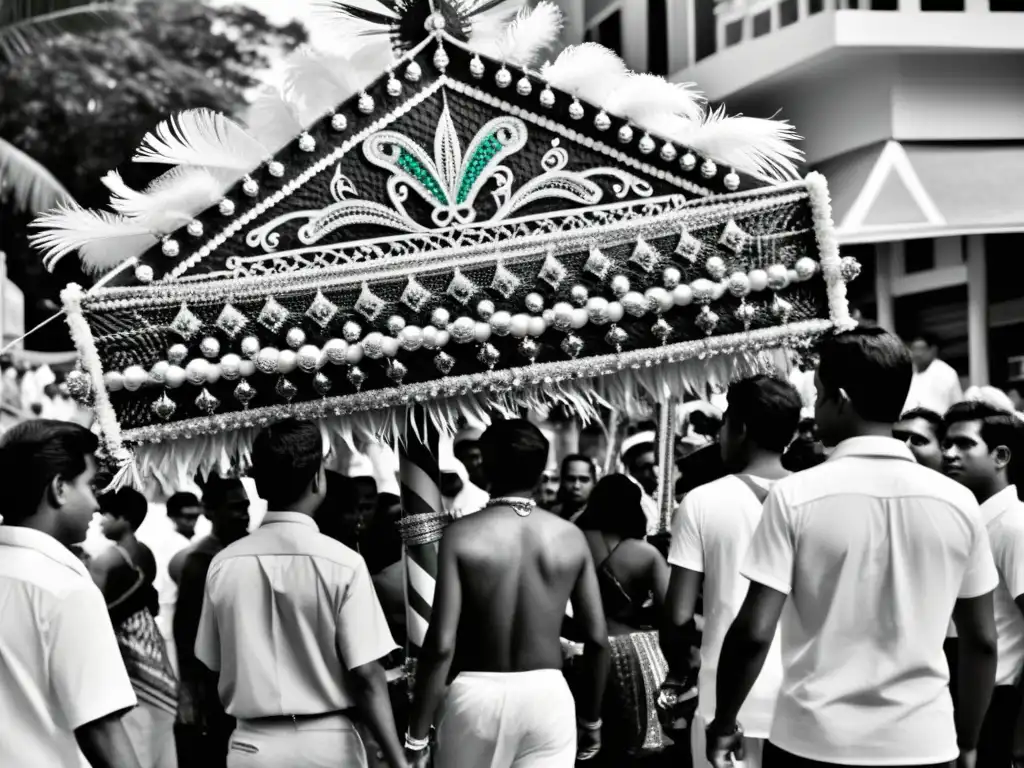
x,y
547,491
762,416
978,446
593,443
364,498
514,454
468,452
863,378
924,348
183,510
51,468
921,430
123,512
577,479
226,505
288,467
641,460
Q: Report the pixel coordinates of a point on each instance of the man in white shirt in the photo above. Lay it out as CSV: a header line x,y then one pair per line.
x,y
710,534
293,626
978,449
921,429
870,553
935,384
640,459
63,685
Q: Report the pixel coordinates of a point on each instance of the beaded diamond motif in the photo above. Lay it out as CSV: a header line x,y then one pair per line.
x,y
598,264
323,310
461,288
185,323
273,316
688,247
231,321
645,256
505,282
734,237
553,272
415,295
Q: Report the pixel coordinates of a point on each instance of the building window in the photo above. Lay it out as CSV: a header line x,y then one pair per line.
x,y
918,256
762,24
657,37
1004,5
705,29
789,13
885,5
734,33
942,5
816,6
607,32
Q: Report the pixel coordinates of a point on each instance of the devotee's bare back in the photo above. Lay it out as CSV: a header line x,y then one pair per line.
x,y
517,575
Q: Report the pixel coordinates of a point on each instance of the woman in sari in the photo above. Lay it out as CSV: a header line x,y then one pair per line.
x,y
633,578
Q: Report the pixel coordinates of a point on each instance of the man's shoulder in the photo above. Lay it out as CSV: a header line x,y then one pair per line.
x,y
54,582
721,492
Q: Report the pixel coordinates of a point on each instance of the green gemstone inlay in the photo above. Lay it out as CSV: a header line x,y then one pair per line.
x,y
412,166
484,153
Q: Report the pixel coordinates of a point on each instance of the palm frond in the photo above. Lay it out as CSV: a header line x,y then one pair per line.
x,y
31,185
24,25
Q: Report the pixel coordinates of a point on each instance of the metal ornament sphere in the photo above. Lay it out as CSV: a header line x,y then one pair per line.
x,y
309,358
366,104
144,273
295,337
335,350
226,207
547,98
534,302
625,134
671,277
476,67
231,366
394,87
210,347
413,72
732,181
170,248
340,122
250,187
708,169
739,284
524,87
576,110
620,285
805,268
602,122
307,143
395,324
351,331
778,277
579,295
688,161
485,309
176,354
849,268
195,228
275,168
647,144
440,318
715,265
669,152
250,347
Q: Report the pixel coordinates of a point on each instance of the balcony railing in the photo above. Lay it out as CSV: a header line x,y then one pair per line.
x,y
737,21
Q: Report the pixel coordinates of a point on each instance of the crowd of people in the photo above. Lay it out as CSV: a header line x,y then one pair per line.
x,y
846,589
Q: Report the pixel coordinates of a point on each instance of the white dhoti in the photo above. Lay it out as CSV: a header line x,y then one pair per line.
x,y
499,720
308,742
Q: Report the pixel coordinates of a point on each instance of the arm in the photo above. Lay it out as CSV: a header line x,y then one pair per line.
x,y
589,613
745,648
975,627
677,629
373,700
100,568
105,744
439,645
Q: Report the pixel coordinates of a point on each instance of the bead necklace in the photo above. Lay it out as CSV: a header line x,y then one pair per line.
x,y
520,505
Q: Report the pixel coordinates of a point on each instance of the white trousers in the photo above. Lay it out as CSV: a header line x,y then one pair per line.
x,y
151,733
753,748
501,720
325,742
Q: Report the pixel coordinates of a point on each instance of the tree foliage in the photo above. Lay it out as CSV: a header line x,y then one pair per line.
x,y
81,104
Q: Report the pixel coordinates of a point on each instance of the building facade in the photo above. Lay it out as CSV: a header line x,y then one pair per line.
x,y
913,109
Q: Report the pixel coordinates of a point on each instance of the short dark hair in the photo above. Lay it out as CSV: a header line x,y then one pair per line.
x,y
615,507
923,413
514,453
34,453
126,503
285,459
872,366
582,460
768,408
998,427
636,451
460,448
927,337
180,501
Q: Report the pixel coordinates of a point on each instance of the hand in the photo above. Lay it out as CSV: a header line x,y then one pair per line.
x,y
588,743
725,744
419,758
968,758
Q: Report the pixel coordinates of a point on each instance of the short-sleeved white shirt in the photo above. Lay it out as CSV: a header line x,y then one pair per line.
x,y
286,614
873,550
711,531
1004,519
60,667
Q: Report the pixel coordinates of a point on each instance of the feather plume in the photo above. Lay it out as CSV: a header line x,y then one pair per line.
x,y
357,18
752,145
201,137
588,71
532,31
103,240
642,95
169,202
273,120
316,82
489,20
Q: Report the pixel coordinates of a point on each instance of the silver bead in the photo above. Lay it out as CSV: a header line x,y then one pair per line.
x,y
668,152
356,377
250,347
176,354
285,389
275,169
671,277
476,67
485,309
441,59
620,285
395,324
524,87
488,355
210,347
602,122
307,143
529,349
849,268
534,302
576,110
244,393
805,268
351,332
144,273
646,145
322,384
435,22
340,122
579,295
295,337
413,72
444,363
164,407
394,87
195,228
503,78
170,248
365,103
688,161
397,371
547,98
715,266
226,207
731,181
625,134
250,187
440,318
572,345
708,168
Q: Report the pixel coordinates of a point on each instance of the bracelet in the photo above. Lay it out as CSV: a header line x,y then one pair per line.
x,y
416,745
587,726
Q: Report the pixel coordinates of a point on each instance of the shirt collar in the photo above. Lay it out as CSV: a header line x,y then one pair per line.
x,y
289,517
873,447
44,544
996,505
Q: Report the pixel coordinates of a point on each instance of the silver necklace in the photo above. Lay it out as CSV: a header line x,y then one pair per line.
x,y
520,505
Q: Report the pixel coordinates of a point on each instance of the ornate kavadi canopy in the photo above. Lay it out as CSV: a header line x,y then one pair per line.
x,y
432,222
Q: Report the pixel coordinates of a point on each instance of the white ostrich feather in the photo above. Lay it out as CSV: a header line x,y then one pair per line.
x,y
316,82
641,96
490,25
532,31
588,71
752,145
103,240
201,137
169,202
347,27
273,119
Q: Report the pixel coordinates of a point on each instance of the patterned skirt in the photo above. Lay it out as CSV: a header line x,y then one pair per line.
x,y
638,670
145,657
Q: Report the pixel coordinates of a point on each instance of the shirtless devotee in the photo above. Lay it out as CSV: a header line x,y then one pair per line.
x,y
505,576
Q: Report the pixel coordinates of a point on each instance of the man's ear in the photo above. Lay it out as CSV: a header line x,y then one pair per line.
x,y
56,492
1002,456
843,399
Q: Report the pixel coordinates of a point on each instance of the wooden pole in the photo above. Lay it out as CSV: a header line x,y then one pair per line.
x,y
666,411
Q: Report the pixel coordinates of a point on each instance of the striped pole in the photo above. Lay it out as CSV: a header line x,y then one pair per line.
x,y
666,461
420,478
